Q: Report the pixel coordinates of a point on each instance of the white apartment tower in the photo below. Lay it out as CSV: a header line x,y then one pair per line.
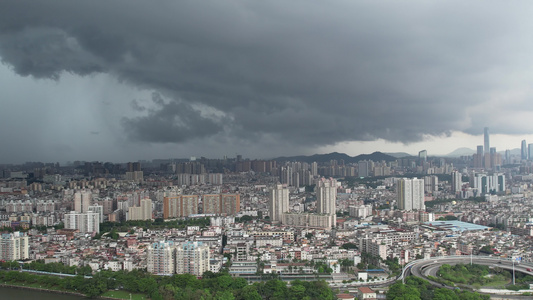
x,y
278,202
326,196
410,194
14,246
160,258
143,212
192,258
84,222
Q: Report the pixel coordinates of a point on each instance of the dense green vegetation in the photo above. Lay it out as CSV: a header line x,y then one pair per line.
x,y
371,182
417,288
39,265
476,275
394,266
183,286
349,246
443,201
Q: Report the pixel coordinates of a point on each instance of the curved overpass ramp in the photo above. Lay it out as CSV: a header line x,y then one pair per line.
x,y
429,267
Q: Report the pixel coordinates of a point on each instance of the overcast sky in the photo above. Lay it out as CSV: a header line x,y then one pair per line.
x,y
129,80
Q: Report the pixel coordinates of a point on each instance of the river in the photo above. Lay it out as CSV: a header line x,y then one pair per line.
x,y
21,294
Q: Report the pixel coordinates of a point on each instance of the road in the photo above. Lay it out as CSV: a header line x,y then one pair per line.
x,y
430,267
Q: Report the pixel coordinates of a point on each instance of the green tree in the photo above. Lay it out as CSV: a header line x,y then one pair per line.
x,y
249,293
444,294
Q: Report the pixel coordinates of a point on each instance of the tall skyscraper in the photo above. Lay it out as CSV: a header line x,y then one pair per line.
x,y
530,151
479,157
410,194
523,150
278,202
507,156
486,140
422,157
457,181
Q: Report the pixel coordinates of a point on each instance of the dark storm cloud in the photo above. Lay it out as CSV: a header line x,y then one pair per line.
x,y
45,53
172,122
300,72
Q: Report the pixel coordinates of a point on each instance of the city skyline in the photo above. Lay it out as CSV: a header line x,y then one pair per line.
x,y
260,79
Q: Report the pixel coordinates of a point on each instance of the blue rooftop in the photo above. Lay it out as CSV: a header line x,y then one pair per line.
x,y
456,225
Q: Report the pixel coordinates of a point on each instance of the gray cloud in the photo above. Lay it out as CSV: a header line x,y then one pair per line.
x,y
174,122
301,73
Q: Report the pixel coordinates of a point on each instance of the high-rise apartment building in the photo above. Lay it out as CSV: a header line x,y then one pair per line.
x,y
85,222
133,166
98,209
228,204
143,212
14,246
211,204
192,258
180,206
161,258
364,168
410,194
278,202
485,184
457,181
326,196
314,168
82,201
166,258
136,176
431,184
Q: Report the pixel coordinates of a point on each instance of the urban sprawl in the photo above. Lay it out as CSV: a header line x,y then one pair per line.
x,y
338,220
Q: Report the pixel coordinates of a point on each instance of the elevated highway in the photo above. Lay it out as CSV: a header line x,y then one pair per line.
x,y
429,267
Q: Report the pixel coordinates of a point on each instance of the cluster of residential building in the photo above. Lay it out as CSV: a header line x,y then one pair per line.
x,y
271,217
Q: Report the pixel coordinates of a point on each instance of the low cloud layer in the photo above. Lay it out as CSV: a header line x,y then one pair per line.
x,y
298,73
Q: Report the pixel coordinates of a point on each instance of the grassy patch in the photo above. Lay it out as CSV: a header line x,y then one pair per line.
x,y
500,284
124,295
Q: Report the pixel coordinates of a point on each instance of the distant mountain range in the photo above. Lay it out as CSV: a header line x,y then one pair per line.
x,y
321,158
461,152
399,154
376,156
468,152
